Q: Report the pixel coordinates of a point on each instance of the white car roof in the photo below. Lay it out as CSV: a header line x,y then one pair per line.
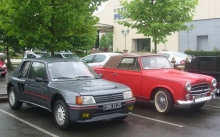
x,y
106,53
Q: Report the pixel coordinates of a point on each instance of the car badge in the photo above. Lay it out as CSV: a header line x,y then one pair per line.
x,y
110,97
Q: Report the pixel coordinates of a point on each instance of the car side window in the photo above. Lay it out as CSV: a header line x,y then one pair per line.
x,y
129,64
24,69
88,59
98,58
29,55
58,56
38,69
137,65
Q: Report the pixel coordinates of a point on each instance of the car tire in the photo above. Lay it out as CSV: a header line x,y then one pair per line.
x,y
2,75
61,115
163,101
120,118
12,100
197,106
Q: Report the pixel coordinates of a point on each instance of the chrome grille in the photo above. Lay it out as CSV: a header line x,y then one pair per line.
x,y
107,98
201,88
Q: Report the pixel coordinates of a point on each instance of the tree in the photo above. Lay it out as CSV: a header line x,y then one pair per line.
x,y
157,18
8,42
48,24
106,40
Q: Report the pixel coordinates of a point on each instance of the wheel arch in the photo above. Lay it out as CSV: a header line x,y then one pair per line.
x,y
9,86
158,88
54,99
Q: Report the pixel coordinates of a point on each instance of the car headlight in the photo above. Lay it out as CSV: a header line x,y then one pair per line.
x,y
127,94
214,83
85,100
4,66
188,86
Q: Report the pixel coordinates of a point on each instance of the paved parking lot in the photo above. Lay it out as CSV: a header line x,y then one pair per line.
x,y
144,121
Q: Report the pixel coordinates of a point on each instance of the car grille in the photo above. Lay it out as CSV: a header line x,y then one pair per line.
x,y
107,98
201,88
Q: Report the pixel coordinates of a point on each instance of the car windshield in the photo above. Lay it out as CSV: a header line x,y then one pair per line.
x,y
181,55
70,71
72,56
43,55
155,62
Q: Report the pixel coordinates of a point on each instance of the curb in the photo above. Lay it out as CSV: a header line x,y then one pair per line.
x,y
3,98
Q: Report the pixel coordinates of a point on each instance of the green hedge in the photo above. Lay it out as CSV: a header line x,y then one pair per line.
x,y
202,53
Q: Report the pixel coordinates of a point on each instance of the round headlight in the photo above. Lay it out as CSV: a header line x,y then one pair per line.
x,y
188,86
214,83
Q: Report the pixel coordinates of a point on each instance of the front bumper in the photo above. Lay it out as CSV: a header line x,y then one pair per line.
x,y
3,71
96,112
198,100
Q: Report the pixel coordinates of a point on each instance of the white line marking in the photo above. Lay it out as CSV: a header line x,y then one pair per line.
x,y
158,120
213,106
28,123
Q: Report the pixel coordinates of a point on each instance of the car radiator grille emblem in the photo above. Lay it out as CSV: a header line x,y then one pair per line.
x,y
110,97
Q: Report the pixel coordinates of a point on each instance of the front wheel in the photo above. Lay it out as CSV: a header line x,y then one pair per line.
x,y
12,100
61,115
197,106
163,101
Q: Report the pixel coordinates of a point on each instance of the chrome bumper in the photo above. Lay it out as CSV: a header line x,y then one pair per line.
x,y
199,100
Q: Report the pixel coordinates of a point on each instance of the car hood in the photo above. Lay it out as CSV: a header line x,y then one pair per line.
x,y
90,87
176,75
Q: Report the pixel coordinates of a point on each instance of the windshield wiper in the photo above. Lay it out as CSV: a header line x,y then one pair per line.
x,y
62,78
164,67
83,77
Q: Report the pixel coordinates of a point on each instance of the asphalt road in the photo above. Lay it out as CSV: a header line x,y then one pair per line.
x,y
143,122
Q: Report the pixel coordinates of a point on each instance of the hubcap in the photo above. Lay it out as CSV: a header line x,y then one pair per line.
x,y
162,101
60,115
12,98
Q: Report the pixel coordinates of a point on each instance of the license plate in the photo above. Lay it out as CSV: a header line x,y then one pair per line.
x,y
200,96
111,106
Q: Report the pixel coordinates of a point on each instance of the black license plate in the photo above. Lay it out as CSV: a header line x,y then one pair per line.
x,y
111,106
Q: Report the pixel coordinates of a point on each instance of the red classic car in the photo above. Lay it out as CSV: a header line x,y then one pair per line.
x,y
152,77
3,68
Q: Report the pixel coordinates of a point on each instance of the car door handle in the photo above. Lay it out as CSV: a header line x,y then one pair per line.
x,y
115,74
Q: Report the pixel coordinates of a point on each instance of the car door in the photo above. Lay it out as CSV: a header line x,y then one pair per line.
x,y
36,84
128,72
20,81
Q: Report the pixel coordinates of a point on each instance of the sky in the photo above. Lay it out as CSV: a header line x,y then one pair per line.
x,y
101,7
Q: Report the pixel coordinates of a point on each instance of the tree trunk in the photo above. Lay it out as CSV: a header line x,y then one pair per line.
x,y
8,57
155,47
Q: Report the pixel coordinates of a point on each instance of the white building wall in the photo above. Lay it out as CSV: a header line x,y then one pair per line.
x,y
206,9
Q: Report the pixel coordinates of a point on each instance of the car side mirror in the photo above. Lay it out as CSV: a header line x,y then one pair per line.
x,y
38,79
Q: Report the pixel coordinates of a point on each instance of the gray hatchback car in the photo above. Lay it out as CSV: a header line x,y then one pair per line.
x,y
70,89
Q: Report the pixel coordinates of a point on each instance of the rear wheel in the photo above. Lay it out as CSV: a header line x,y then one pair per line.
x,y
163,101
197,106
12,100
61,115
